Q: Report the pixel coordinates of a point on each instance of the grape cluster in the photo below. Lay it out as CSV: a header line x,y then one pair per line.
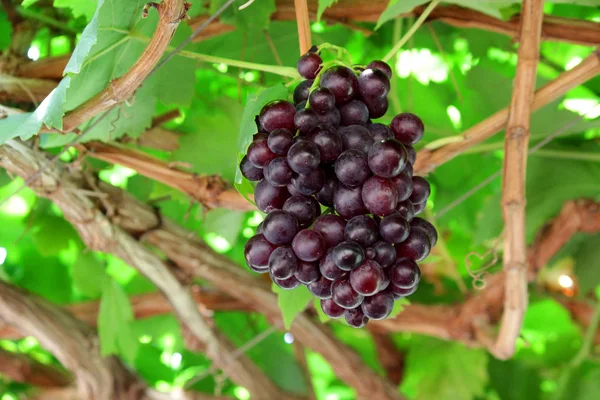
x,y
361,254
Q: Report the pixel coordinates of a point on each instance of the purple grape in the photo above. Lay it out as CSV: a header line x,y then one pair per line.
x,y
259,153
367,278
305,209
293,190
307,272
331,309
351,168
289,283
408,170
303,157
421,190
279,228
356,137
373,84
283,263
404,185
277,114
406,210
370,254
387,158
386,280
347,255
269,197
427,227
362,229
342,82
310,183
325,195
354,112
308,245
378,306
385,254
344,296
380,132
379,195
258,270
278,172
329,142
309,65
348,201
330,118
412,154
302,91
377,107
257,252
419,207
280,141
405,274
331,227
321,288
259,136
393,228
408,128
321,100
328,268
259,228
249,171
381,66
306,121
399,293
356,318
416,246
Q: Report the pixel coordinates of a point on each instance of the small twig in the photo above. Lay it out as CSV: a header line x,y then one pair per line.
x,y
303,25
273,48
165,117
245,5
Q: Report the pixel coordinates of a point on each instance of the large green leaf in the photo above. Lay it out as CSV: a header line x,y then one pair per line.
x,y
323,5
292,302
395,8
255,16
79,8
89,275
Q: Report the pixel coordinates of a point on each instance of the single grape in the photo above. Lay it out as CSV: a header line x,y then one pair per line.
x,y
259,228
393,228
406,210
310,183
306,121
329,143
419,207
404,185
362,229
370,253
280,141
405,273
328,268
377,107
408,128
257,252
354,112
356,318
321,100
269,197
302,91
379,195
373,84
408,170
399,293
348,201
342,82
412,154
304,208
356,137
249,171
303,157
293,190
277,114
386,280
380,132
280,227
290,283
331,227
259,270
331,309
283,263
343,294
321,288
309,65
301,105
325,195
367,278
381,66
259,136
278,172
387,158
421,190
307,272
347,255
427,227
416,246
330,118
385,254
259,153
308,245
378,306
351,168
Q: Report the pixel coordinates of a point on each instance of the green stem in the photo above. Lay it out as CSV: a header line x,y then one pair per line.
x,y
588,341
31,14
568,155
412,30
394,97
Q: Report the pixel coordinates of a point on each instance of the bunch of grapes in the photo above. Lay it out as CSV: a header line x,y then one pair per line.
x,y
324,151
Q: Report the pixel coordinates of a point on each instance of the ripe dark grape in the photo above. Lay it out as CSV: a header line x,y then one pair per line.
x,y
288,284
405,273
351,168
321,100
356,318
305,209
393,228
408,128
293,190
386,281
307,272
427,227
367,278
412,154
309,65
331,309
321,288
354,112
348,201
269,197
373,84
342,82
329,143
283,263
380,132
278,172
379,195
404,185
356,137
249,171
362,230
308,245
399,293
343,294
387,158
347,255
306,120
257,252
310,183
378,306
301,105
302,91
259,153
259,136
303,157
370,253
277,114
385,254
421,190
328,268
416,246
419,207
280,141
330,118
406,210
325,195
331,227
408,170
280,227
381,66
377,107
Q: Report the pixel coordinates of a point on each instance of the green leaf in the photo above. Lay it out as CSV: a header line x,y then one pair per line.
x,y
395,8
587,268
256,16
225,223
292,302
514,380
322,316
52,234
323,5
598,292
89,275
398,307
5,32
79,8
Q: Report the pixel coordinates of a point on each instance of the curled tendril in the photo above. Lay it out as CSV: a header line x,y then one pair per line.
x,y
479,276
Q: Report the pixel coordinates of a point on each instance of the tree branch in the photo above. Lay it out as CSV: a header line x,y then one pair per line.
x,y
24,369
24,90
303,25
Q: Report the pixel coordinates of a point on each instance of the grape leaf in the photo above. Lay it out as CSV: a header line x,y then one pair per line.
x,y
292,302
225,223
5,31
514,380
256,16
88,275
79,8
395,8
587,268
52,234
323,5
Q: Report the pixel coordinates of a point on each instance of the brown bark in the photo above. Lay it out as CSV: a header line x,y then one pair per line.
x,y
24,369
390,357
24,90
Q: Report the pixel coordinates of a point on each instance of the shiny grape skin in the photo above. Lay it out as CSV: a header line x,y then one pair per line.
x,y
351,168
394,229
257,252
367,278
259,153
373,84
419,207
309,65
304,208
421,190
407,128
308,245
269,197
427,227
280,227
329,142
379,196
290,283
331,227
321,288
301,105
356,137
387,158
412,154
331,309
404,186
380,132
249,171
385,254
306,120
405,273
348,201
356,318
408,170
378,306
302,91
354,112
416,246
347,255
321,100
325,195
310,183
342,82
382,66
329,269
399,293
362,229
278,172
283,263
307,272
277,114
303,157
330,118
377,107
280,141
344,296
406,210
